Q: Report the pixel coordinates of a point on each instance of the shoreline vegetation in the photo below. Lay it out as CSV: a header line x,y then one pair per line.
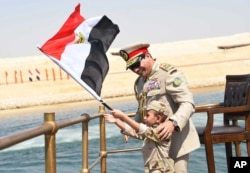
x,y
28,82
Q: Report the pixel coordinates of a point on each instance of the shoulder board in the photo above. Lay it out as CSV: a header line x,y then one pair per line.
x,y
168,67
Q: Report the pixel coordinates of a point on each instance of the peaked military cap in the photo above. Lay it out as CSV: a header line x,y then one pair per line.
x,y
131,54
158,106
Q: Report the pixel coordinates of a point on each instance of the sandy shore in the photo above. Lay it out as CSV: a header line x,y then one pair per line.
x,y
79,104
204,65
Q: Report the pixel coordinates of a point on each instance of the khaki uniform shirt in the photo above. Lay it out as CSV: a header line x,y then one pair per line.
x,y
167,84
155,152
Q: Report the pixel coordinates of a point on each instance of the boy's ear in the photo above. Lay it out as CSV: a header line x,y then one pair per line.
x,y
158,117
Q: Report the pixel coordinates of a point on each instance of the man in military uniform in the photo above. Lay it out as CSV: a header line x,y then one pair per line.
x,y
165,83
155,151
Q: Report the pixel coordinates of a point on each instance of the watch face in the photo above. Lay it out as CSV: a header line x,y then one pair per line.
x,y
173,121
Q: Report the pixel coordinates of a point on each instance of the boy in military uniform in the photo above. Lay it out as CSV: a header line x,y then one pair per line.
x,y
155,151
164,82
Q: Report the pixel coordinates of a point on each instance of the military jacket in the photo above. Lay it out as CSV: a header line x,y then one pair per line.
x,y
167,84
155,152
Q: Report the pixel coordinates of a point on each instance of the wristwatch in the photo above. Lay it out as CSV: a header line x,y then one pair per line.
x,y
176,127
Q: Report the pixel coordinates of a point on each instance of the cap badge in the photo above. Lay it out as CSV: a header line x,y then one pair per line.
x,y
124,54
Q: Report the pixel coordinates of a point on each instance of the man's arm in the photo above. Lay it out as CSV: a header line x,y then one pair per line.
x,y
177,88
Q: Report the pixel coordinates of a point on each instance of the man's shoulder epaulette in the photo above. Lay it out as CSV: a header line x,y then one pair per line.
x,y
168,68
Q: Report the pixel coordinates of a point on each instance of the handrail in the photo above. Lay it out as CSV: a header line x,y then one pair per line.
x,y
10,140
49,129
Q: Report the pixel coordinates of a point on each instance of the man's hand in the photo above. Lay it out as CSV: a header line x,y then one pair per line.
x,y
165,130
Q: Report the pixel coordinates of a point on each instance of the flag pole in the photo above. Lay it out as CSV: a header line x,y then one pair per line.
x,y
82,83
105,104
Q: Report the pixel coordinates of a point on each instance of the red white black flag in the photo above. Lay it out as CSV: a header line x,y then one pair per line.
x,y
80,47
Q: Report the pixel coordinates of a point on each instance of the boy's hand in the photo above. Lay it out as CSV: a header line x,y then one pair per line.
x,y
109,118
125,138
117,113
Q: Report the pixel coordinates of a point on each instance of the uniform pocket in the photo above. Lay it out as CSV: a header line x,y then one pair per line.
x,y
165,165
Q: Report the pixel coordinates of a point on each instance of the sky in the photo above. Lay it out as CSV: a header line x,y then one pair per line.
x,y
28,23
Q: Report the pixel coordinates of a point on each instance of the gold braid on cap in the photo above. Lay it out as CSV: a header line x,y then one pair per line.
x,y
124,54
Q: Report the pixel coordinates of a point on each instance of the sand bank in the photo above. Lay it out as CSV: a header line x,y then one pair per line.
x,y
202,62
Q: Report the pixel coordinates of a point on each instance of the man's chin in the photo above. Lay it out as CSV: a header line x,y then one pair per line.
x,y
142,73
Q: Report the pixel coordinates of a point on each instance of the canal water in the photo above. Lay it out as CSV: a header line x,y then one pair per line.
x,y
29,156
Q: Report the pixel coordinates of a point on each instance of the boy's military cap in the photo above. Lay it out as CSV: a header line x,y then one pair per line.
x,y
158,106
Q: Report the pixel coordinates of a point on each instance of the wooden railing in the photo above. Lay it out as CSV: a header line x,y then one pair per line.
x,y
50,128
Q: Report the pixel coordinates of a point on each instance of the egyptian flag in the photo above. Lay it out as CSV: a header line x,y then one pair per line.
x,y
80,47
37,74
30,76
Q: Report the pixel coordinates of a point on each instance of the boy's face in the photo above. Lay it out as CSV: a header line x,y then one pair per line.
x,y
151,118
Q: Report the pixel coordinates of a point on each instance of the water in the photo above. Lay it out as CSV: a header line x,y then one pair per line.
x,y
29,156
